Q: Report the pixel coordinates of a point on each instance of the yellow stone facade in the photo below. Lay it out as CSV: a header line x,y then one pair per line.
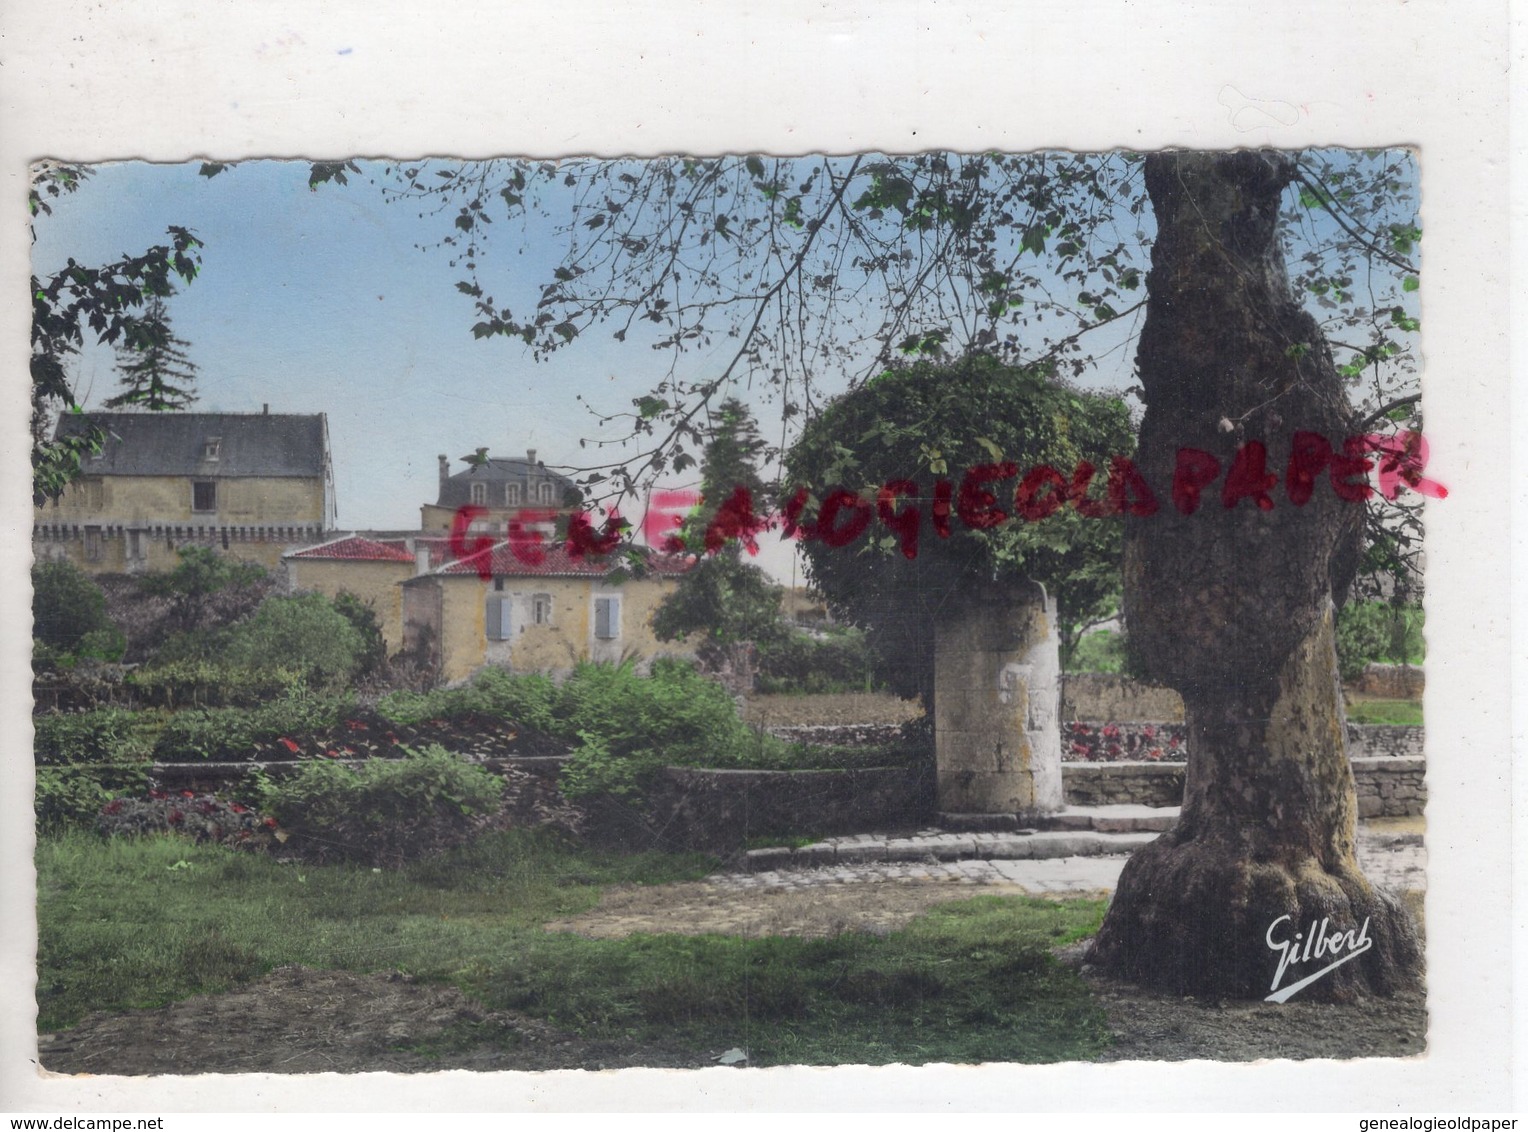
x,y
379,583
455,607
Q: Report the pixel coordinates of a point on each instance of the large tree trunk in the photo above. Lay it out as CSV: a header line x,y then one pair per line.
x,y
1233,607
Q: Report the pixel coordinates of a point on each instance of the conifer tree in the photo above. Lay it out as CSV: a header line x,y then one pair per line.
x,y
157,373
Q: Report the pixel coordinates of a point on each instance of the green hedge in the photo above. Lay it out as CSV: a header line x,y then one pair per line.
x,y
530,700
800,663
228,733
387,811
106,735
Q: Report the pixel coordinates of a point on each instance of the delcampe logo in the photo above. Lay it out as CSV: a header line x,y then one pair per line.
x,y
1318,944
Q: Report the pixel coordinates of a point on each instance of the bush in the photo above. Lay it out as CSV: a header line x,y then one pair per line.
x,y
529,700
1100,651
800,663
230,733
629,726
305,633
69,616
386,812
205,683
363,618
107,735
201,817
1370,632
72,797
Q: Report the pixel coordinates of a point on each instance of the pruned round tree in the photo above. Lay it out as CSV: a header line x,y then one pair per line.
x,y
926,423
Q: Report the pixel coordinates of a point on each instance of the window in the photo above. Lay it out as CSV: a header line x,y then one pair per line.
x,y
498,616
480,494
135,547
213,448
544,491
93,493
511,495
92,544
607,618
204,495
541,609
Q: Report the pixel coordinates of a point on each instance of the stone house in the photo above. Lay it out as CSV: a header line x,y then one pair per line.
x,y
507,489
495,608
372,568
251,485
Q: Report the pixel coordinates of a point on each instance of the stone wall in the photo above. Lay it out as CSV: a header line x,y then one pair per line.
x,y
719,810
1098,695
1390,681
1388,786
1085,741
839,734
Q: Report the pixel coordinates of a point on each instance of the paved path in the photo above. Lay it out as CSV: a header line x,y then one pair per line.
x,y
1394,862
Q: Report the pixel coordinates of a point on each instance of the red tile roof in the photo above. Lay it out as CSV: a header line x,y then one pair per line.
x,y
354,549
558,563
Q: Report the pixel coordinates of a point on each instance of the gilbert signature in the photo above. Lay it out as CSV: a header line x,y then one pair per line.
x,y
1318,943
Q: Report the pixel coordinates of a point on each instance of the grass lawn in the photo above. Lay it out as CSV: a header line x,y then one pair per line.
x,y
138,923
1399,712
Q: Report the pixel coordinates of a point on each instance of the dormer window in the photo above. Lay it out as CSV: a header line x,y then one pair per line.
x,y
479,493
511,495
544,491
212,448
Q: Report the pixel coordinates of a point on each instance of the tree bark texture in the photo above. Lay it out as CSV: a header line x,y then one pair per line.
x,y
1233,607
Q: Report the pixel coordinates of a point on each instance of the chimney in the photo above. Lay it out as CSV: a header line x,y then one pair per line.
x,y
265,409
421,558
445,470
530,457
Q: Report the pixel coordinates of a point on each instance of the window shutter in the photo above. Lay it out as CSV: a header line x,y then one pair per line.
x,y
498,618
604,618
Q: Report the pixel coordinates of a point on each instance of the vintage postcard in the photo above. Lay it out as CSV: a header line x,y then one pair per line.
x,y
753,607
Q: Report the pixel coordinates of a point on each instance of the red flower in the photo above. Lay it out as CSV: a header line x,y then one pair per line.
x,y
158,794
112,807
391,738
1079,748
1149,731
175,817
238,809
288,744
188,793
270,823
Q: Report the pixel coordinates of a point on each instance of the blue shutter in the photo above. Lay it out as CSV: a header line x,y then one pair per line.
x,y
605,618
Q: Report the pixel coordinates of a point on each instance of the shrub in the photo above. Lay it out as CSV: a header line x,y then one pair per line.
x,y
1371,632
107,735
230,733
205,683
362,615
201,817
69,615
629,726
801,663
386,812
69,796
305,633
530,700
1100,651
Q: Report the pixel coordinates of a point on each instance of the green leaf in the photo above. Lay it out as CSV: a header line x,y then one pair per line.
x,y
754,166
1410,283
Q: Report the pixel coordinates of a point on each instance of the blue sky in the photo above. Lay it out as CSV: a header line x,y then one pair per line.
x,y
323,302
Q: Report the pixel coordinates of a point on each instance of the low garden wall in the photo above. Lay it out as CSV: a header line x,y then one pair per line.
x,y
1388,786
1100,695
1086,741
719,810
840,734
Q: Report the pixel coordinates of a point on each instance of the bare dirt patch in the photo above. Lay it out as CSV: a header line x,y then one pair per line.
x,y
830,710
297,1020
702,908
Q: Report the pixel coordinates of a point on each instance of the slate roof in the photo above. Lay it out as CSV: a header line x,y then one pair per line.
x,y
557,563
457,490
354,548
174,444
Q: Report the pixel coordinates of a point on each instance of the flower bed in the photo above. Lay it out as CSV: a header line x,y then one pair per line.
x,y
1122,742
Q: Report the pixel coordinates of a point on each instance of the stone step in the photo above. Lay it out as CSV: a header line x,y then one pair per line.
x,y
942,845
1100,819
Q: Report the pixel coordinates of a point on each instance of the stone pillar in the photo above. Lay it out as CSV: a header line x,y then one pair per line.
x,y
997,687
